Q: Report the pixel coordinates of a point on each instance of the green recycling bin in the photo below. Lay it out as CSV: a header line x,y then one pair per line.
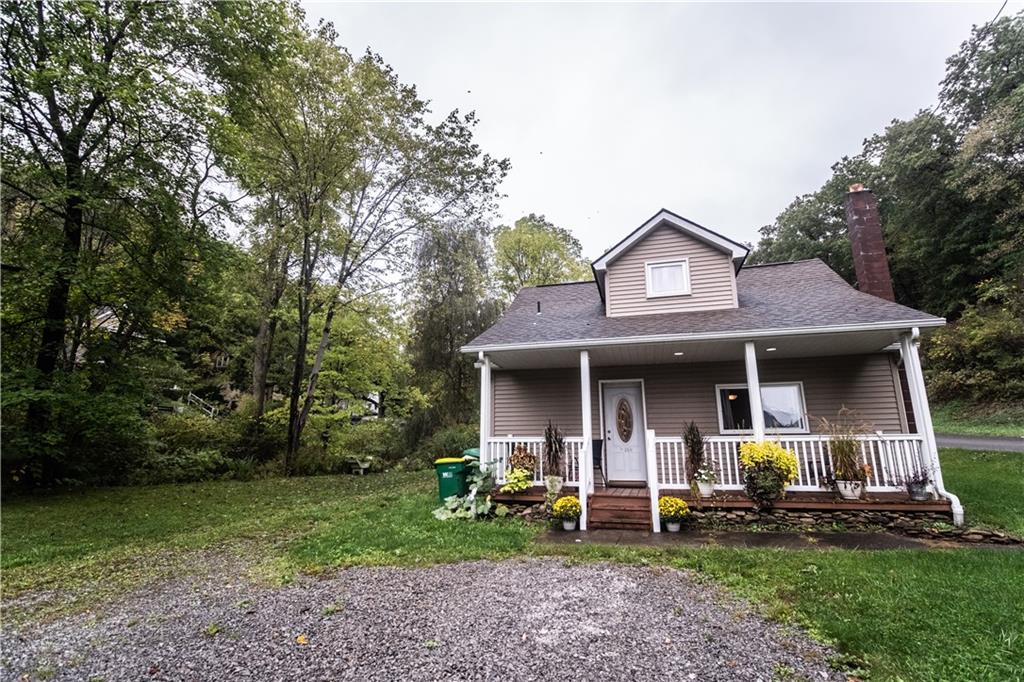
x,y
472,453
451,477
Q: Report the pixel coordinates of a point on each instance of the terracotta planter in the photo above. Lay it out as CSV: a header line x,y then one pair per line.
x,y
850,490
568,524
706,488
673,526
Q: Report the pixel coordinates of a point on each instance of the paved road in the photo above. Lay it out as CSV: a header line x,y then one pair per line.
x,y
1004,443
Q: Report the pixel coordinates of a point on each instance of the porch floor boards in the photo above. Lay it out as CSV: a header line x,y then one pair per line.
x,y
800,501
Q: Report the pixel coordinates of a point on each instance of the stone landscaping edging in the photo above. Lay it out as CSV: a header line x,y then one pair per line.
x,y
933,525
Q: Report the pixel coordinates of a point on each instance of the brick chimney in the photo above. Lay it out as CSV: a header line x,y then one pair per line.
x,y
865,227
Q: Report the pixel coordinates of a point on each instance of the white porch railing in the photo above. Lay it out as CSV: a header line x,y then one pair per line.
x,y
891,458
499,450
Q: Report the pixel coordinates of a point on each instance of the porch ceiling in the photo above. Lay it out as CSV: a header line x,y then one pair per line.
x,y
610,355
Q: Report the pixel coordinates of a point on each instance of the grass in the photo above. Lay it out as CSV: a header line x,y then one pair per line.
x,y
978,420
989,484
951,614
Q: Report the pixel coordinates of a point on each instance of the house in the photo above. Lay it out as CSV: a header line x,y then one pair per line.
x,y
676,327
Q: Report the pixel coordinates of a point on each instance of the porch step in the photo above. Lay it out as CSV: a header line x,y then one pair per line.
x,y
609,510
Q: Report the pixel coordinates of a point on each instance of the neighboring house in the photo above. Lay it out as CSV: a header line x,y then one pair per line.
x,y
675,328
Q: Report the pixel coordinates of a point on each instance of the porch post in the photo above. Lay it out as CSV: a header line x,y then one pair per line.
x,y
485,406
754,391
923,417
587,458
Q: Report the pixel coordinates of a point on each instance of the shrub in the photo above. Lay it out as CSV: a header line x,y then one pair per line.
x,y
517,480
980,357
449,441
376,438
767,469
672,508
182,466
566,508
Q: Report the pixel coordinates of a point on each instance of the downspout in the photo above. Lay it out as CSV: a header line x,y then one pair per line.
x,y
912,362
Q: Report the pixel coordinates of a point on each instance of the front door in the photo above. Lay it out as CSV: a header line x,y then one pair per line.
x,y
624,426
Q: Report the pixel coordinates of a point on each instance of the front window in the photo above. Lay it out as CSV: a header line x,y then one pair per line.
x,y
668,278
782,405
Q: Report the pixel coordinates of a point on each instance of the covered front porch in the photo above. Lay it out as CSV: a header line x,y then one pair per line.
x,y
633,399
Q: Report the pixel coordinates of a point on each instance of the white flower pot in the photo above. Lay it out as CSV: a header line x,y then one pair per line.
x,y
706,488
850,490
673,526
569,524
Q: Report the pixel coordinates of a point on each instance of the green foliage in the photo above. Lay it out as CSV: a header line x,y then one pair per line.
x,y
517,480
451,305
767,469
449,441
980,357
476,503
535,251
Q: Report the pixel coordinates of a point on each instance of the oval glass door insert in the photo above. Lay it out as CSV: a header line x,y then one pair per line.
x,y
624,420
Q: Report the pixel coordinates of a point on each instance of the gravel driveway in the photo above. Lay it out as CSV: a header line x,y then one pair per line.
x,y
537,619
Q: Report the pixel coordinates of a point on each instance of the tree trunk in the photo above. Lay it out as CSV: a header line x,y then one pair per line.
x,y
265,335
51,345
318,361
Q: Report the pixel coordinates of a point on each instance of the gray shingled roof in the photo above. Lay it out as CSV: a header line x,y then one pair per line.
x,y
800,295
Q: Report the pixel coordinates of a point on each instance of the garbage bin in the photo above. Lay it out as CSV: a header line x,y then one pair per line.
x,y
451,477
472,453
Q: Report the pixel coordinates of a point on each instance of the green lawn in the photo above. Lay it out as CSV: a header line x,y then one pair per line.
x,y
975,420
989,484
952,614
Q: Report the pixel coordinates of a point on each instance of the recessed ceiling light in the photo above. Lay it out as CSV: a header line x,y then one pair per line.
x,y
678,352
770,349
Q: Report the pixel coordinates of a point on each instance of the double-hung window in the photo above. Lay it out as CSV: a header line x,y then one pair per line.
x,y
668,278
782,404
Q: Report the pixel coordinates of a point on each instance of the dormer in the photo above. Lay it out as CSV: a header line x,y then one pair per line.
x,y
669,265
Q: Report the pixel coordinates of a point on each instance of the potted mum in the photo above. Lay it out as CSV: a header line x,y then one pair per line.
x,y
702,472
567,510
767,469
672,511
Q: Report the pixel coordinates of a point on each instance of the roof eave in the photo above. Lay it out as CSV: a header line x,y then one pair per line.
x,y
708,336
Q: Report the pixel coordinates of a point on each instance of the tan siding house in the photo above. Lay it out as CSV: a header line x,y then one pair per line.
x,y
712,278
677,329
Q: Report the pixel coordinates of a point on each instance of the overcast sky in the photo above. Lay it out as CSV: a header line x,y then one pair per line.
x,y
721,113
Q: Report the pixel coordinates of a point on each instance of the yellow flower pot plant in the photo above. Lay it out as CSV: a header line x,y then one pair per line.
x,y
672,511
567,510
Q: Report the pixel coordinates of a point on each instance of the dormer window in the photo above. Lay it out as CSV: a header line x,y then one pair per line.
x,y
668,278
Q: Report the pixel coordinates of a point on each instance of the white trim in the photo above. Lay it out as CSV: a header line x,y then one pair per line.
x,y
710,336
585,467
600,404
486,401
683,262
746,432
663,216
923,418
